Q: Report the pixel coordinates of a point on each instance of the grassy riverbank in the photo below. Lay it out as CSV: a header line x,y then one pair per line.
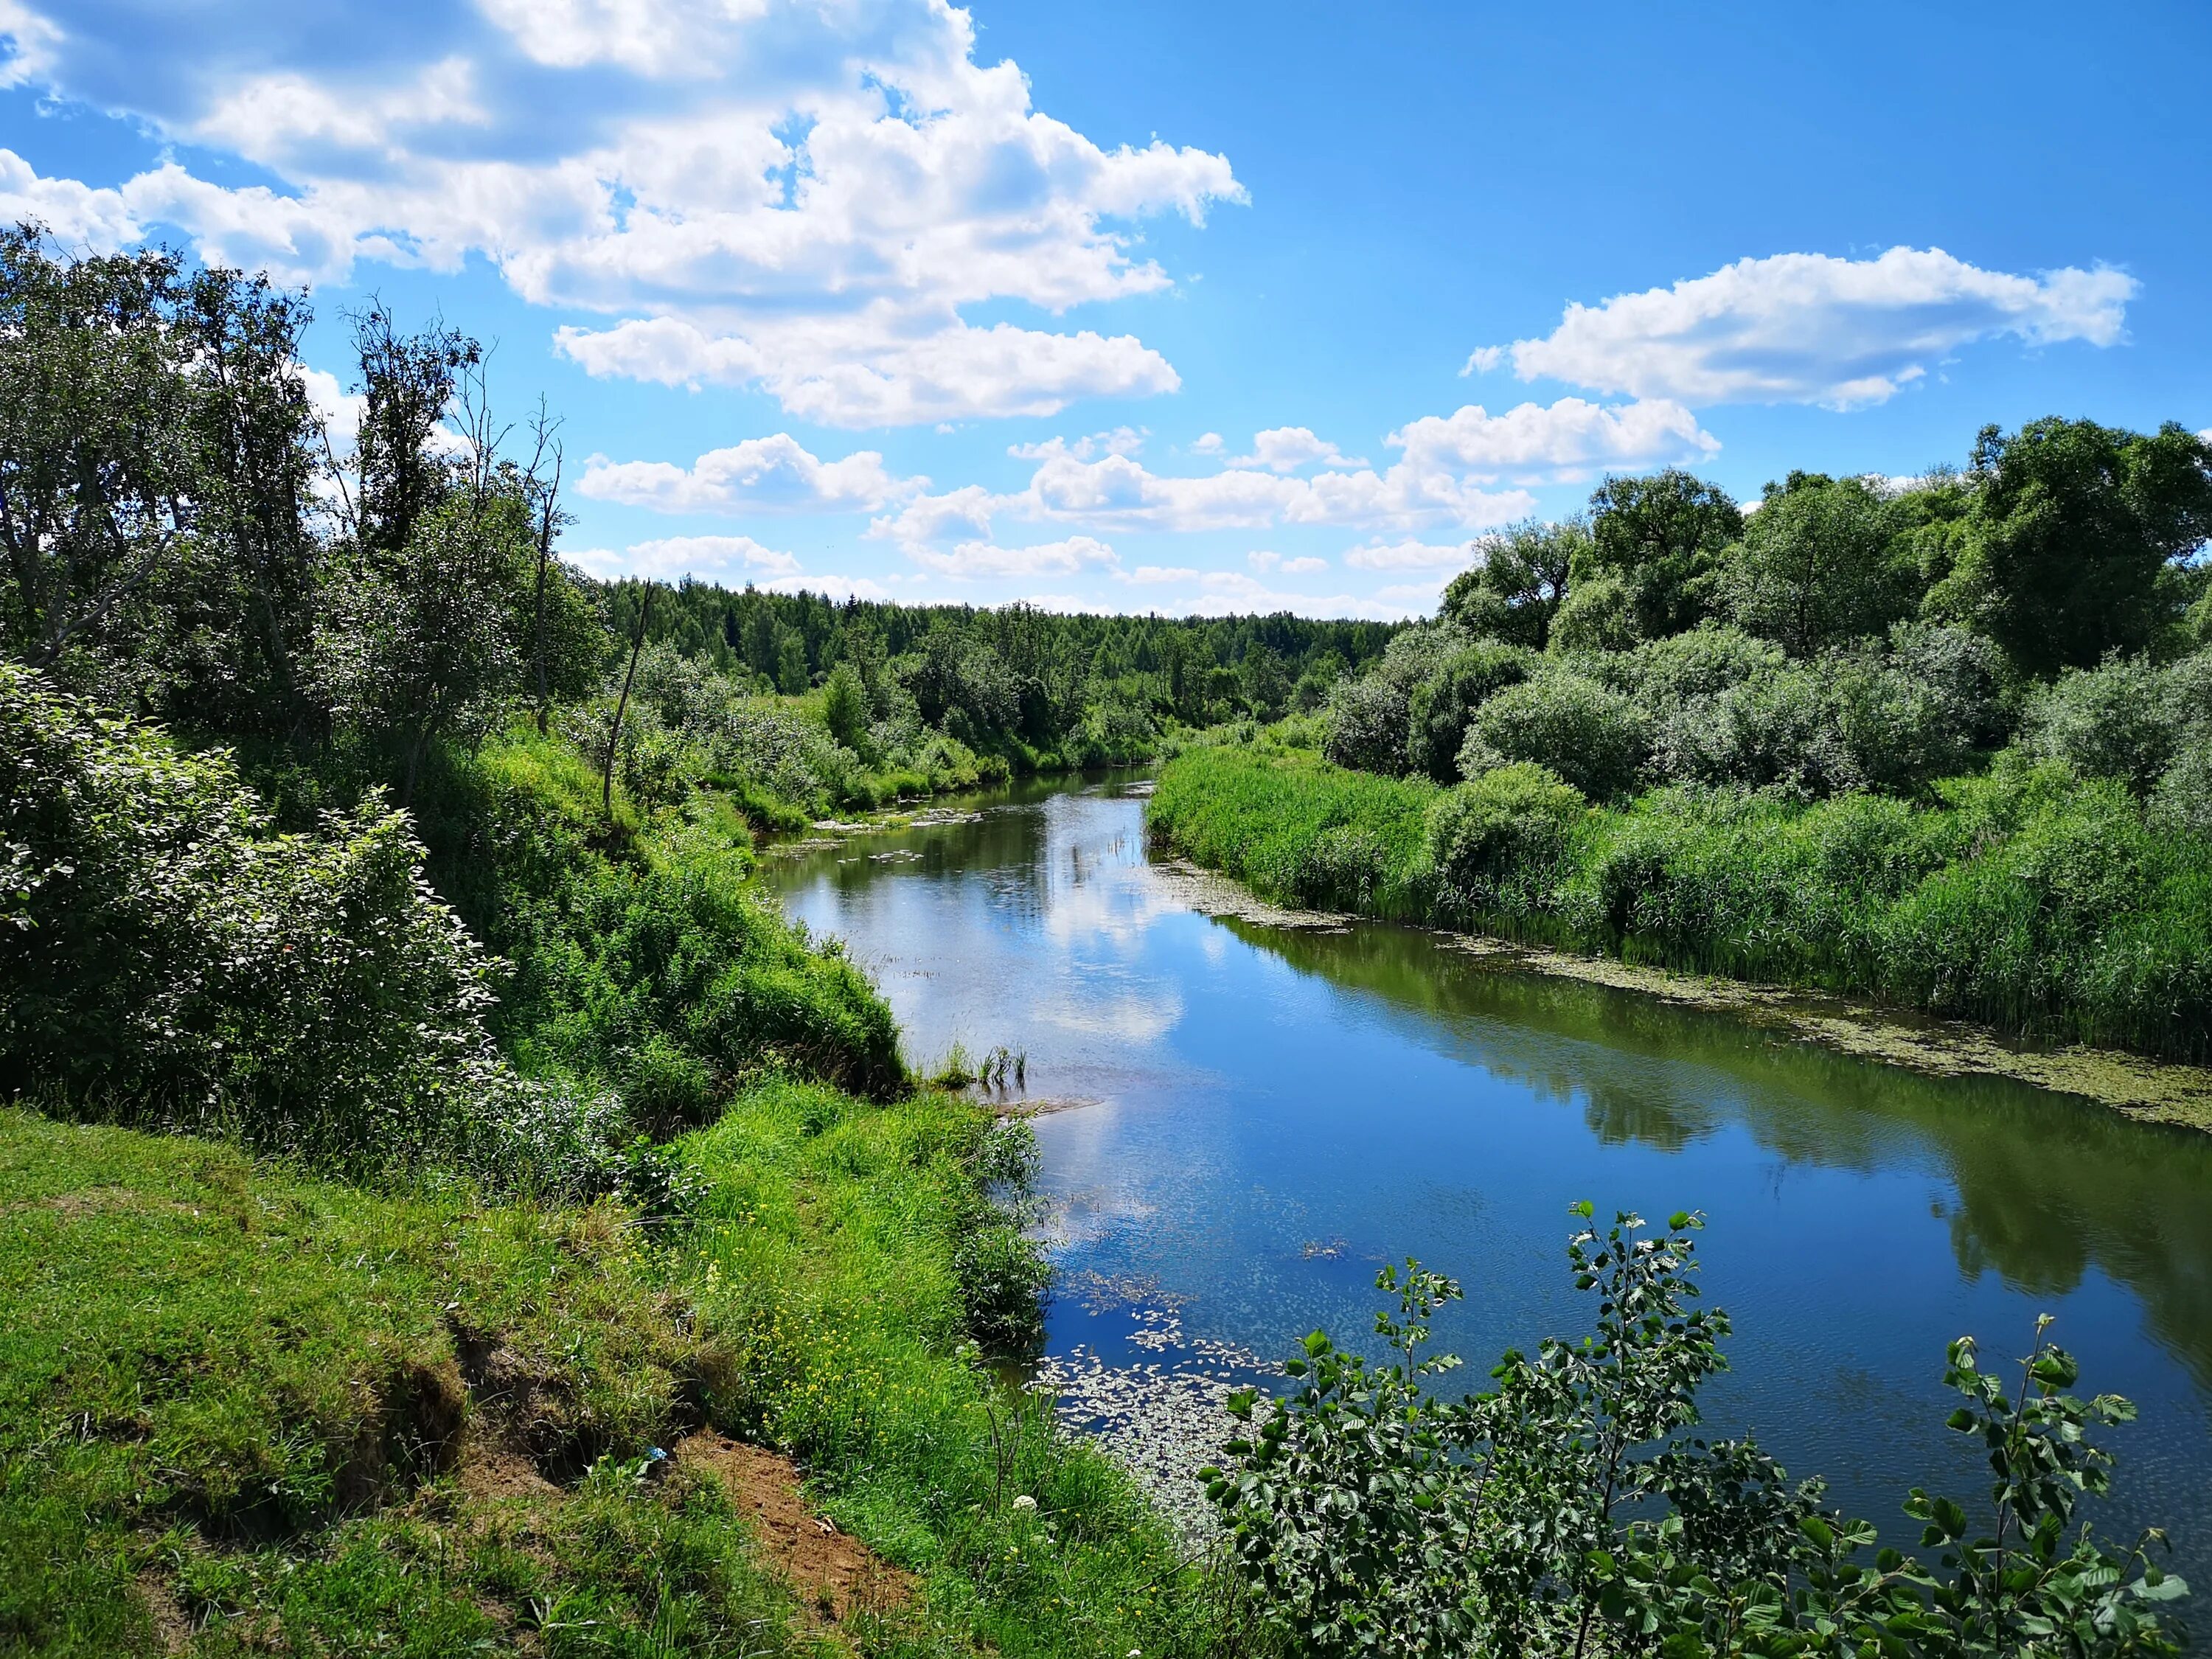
x,y
248,1409
2026,899
346,1315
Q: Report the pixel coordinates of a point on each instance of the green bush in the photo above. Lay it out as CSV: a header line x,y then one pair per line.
x,y
1701,663
1440,708
2020,896
1596,739
1503,832
651,963
2127,720
1574,1508
1368,723
166,956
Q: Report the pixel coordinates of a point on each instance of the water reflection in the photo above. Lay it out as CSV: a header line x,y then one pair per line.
x,y
2046,1187
1279,1110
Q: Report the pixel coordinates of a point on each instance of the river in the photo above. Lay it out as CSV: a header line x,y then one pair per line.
x,y
1262,1116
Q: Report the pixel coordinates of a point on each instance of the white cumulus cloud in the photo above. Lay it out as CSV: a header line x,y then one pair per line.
x,y
1122,440
713,558
1288,448
1408,556
779,193
1570,436
775,473
970,561
1813,328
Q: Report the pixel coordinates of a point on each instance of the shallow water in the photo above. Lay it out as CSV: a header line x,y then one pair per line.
x,y
1271,1113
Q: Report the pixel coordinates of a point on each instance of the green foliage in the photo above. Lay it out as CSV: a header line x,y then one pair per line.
x,y
1517,582
166,956
156,449
1659,536
1571,1508
1702,662
1597,739
2025,898
423,641
2077,529
1438,709
1818,567
1298,830
651,967
1369,721
845,708
1509,828
2127,720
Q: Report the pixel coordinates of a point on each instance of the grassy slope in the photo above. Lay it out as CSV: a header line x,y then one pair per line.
x,y
242,1408
643,956
2027,901
261,1406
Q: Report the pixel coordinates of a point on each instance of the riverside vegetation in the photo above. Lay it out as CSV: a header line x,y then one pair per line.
x,y
420,1127
1948,744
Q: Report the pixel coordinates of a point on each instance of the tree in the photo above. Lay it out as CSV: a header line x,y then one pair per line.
x,y
1659,536
845,707
154,458
621,705
1816,566
407,384
543,481
2074,543
1517,582
791,678
423,640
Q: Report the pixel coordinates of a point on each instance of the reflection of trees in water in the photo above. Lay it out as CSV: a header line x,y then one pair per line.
x,y
2048,1187
1030,843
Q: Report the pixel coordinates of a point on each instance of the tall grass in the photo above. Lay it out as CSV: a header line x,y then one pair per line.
x,y
643,956
1300,830
2026,898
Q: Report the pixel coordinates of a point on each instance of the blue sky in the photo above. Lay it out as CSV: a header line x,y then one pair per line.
x,y
1173,307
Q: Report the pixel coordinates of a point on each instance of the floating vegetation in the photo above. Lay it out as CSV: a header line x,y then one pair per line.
x,y
1163,1421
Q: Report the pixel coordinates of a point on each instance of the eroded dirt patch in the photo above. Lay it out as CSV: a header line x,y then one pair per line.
x,y
836,1575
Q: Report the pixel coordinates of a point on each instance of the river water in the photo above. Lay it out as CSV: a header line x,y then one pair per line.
x,y
1268,1115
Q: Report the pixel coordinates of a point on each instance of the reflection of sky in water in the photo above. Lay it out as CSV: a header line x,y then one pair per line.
x,y
1278,1112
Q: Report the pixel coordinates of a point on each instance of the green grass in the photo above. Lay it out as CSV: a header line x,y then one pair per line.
x,y
2023,899
249,1393
644,958
1299,830
253,1403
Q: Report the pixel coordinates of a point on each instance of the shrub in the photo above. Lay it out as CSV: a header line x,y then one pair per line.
x,y
1440,708
1702,662
1505,829
1770,728
164,954
1598,614
1368,724
2183,801
1574,1509
1595,739
2118,721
